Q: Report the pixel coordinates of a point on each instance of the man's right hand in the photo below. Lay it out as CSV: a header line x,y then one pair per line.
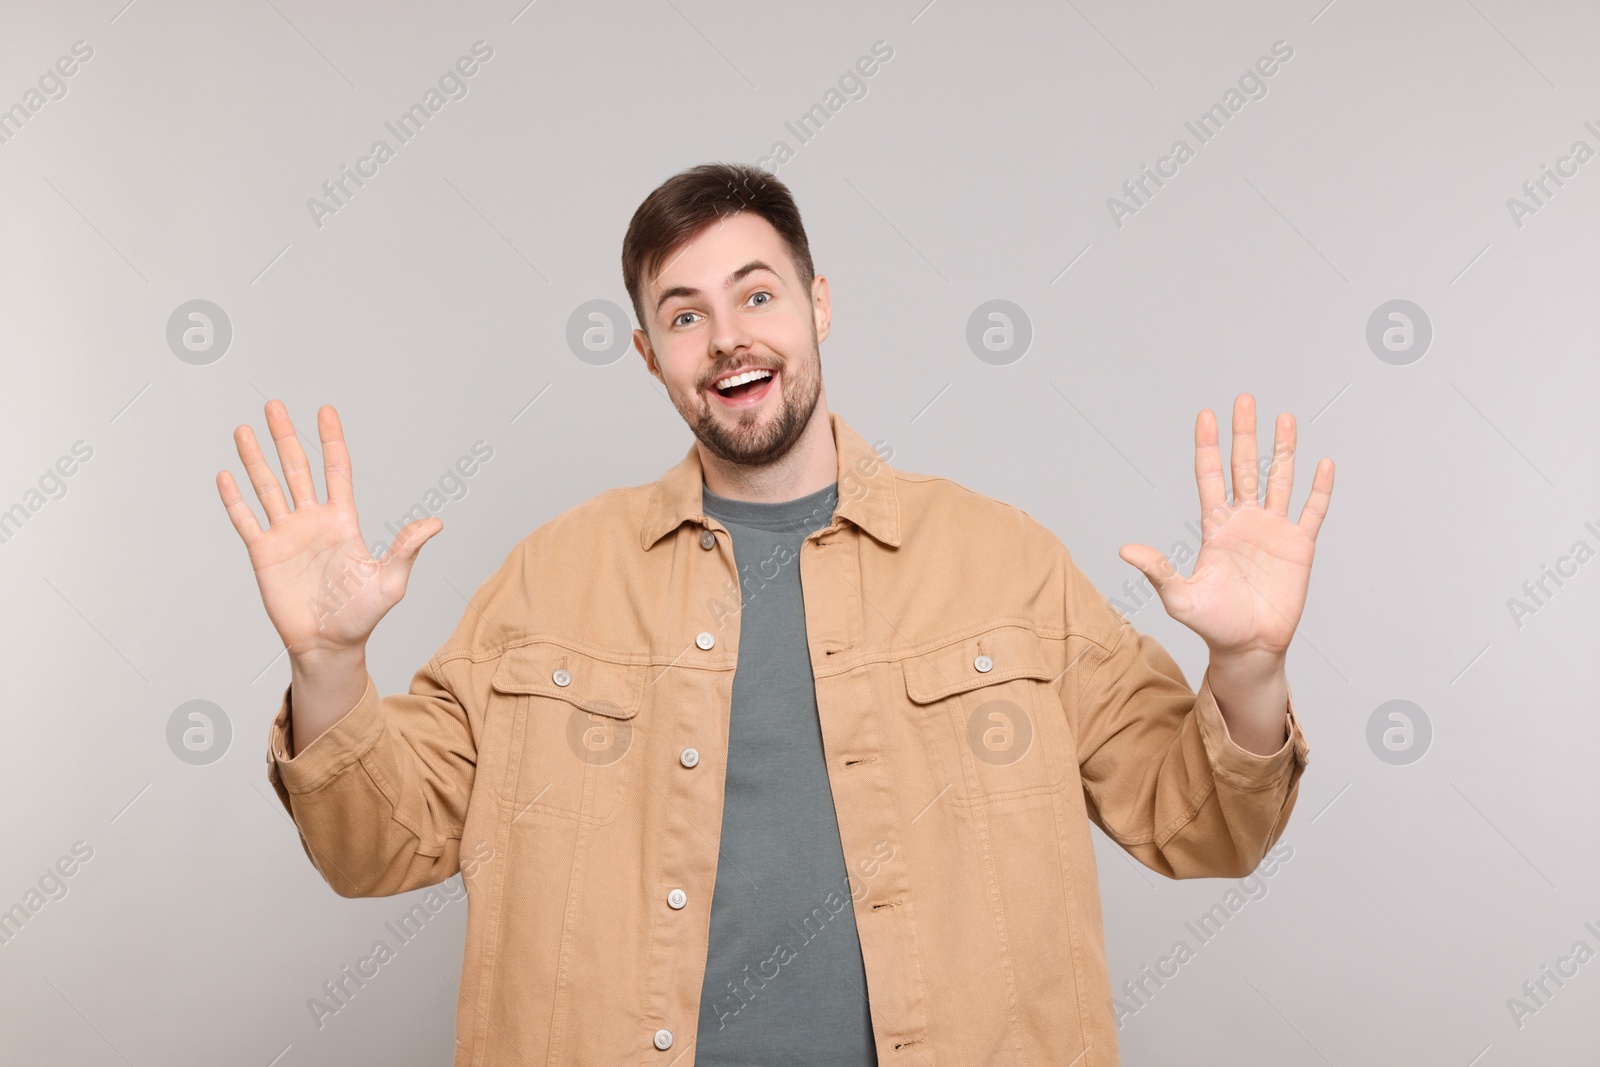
x,y
323,590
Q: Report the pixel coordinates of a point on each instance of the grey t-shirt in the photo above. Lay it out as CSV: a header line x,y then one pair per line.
x,y
784,979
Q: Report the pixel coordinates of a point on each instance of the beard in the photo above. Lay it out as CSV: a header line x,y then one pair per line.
x,y
739,437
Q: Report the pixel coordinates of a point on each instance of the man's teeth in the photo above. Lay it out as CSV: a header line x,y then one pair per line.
x,y
740,379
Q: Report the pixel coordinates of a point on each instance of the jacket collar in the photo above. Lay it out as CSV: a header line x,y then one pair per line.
x,y
866,492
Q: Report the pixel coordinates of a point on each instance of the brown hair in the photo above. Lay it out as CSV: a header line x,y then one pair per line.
x,y
691,200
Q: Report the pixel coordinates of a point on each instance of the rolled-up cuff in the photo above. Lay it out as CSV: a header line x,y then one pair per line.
x,y
1238,766
342,744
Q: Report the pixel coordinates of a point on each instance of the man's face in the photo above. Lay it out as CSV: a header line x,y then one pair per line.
x,y
725,302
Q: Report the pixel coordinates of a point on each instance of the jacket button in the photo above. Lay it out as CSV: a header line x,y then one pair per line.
x,y
704,639
677,899
561,677
708,539
689,757
984,664
663,1039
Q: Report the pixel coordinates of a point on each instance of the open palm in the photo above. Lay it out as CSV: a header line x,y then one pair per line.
x,y
321,587
1249,583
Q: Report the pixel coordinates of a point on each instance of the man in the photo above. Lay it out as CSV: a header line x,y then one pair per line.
x,y
790,756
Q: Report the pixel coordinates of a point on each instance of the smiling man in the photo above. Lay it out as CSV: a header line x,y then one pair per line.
x,y
789,757
754,403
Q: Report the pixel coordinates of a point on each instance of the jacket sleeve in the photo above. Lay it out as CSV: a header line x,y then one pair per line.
x,y
380,798
1161,775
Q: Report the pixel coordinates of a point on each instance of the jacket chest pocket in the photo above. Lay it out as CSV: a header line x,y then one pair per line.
x,y
991,716
568,715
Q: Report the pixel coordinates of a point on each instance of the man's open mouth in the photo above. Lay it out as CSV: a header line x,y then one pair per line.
x,y
744,388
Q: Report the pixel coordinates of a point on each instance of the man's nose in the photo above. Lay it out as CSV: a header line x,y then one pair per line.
x,y
729,337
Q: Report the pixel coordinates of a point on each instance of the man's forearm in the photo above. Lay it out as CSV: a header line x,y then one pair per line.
x,y
321,691
1252,692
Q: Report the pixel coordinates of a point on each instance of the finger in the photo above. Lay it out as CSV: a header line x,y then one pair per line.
x,y
1155,565
1208,467
244,520
1242,458
291,457
1280,476
335,457
413,535
260,475
1316,506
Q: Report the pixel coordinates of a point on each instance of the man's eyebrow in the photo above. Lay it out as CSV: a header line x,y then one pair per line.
x,y
688,290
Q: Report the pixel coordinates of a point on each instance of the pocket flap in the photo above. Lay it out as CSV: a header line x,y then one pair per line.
x,y
603,683
1014,652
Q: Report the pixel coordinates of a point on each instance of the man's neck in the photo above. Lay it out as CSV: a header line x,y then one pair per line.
x,y
810,465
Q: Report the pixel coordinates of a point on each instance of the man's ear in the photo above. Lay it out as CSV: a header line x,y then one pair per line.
x,y
822,312
641,342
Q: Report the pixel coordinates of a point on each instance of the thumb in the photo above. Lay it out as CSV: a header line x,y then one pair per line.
x,y
412,536
1155,566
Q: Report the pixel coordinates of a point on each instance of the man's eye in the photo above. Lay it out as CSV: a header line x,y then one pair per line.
x,y
678,319
765,294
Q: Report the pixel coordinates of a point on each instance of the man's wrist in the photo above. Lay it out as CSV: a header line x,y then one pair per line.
x,y
1252,693
323,688
323,664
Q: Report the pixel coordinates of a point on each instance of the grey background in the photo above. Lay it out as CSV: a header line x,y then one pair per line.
x,y
432,312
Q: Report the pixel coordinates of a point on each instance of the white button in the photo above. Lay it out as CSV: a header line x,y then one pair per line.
x,y
677,898
984,664
689,757
704,639
708,539
663,1039
561,677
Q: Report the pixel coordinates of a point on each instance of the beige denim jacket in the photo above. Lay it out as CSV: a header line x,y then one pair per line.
x,y
980,704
